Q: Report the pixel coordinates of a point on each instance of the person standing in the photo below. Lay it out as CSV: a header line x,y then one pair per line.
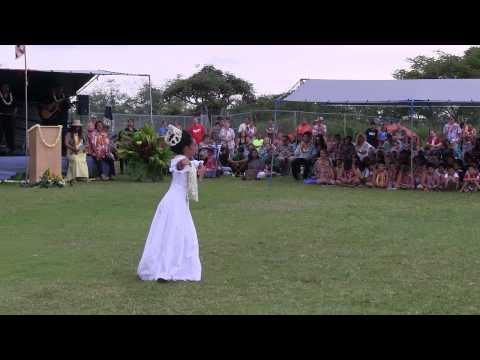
x,y
372,134
197,130
7,117
452,132
227,137
171,251
100,145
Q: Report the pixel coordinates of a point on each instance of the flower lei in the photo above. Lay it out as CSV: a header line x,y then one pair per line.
x,y
43,139
8,103
55,97
192,183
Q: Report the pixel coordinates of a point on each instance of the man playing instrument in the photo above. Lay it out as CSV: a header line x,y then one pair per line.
x,y
7,117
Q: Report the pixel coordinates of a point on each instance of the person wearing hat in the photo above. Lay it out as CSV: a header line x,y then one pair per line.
x,y
76,145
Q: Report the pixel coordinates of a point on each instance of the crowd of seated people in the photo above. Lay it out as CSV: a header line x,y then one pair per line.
x,y
381,157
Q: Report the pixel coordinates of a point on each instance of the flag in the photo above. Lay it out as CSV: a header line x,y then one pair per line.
x,y
19,51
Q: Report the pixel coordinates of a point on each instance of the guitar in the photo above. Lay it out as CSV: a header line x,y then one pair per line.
x,y
48,111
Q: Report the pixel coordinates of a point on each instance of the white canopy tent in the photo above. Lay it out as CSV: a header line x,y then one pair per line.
x,y
388,92
399,93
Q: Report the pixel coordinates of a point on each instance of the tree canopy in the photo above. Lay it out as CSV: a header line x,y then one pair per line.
x,y
443,66
210,89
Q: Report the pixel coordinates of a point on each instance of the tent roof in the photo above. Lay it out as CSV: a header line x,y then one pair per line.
x,y
381,92
39,81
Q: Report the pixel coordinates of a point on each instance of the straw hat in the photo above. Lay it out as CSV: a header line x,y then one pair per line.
x,y
76,122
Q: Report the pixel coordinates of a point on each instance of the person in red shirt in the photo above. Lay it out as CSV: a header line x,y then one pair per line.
x,y
303,128
197,130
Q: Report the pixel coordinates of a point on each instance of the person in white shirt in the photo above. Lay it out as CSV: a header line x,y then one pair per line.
x,y
362,147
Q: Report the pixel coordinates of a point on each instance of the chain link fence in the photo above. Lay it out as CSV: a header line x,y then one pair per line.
x,y
350,122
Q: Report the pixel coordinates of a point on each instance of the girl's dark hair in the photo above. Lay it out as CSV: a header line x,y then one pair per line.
x,y
250,158
75,129
187,140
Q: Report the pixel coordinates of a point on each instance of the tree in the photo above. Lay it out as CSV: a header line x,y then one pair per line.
x,y
210,88
443,66
110,94
160,105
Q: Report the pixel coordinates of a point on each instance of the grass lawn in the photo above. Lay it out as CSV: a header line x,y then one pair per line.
x,y
285,249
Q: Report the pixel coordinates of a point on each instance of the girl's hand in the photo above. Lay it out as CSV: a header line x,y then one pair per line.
x,y
181,164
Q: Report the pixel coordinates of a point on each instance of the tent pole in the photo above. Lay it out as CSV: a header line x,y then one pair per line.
x,y
151,104
411,143
274,126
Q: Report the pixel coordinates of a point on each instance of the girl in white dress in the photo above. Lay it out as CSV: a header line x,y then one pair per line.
x,y
171,250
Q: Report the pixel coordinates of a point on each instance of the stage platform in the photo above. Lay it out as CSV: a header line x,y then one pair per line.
x,y
12,165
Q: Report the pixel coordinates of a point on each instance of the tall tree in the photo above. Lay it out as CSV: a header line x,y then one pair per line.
x,y
443,66
210,88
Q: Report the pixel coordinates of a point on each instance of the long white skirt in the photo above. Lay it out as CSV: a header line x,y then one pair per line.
x,y
171,250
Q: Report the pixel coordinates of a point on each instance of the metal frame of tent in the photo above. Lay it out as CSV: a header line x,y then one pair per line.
x,y
411,104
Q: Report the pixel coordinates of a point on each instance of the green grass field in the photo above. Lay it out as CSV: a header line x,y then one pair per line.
x,y
285,249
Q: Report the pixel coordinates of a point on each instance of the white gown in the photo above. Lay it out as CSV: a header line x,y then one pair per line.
x,y
171,250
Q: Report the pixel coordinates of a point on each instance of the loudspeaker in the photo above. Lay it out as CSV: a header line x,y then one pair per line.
x,y
83,102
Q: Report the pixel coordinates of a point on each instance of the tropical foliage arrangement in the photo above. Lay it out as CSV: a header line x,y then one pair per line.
x,y
48,180
145,153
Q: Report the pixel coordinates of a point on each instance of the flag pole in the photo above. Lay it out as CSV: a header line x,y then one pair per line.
x,y
26,116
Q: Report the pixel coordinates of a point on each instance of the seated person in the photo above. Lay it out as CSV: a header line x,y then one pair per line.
x,y
323,170
452,179
76,145
441,173
239,161
380,179
430,181
224,159
338,170
304,154
434,142
350,176
257,141
368,173
255,167
284,153
470,180
211,165
404,178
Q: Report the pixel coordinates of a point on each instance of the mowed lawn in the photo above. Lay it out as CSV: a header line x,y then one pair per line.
x,y
288,248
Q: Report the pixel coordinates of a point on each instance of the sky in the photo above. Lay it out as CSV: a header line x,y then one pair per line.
x,y
271,69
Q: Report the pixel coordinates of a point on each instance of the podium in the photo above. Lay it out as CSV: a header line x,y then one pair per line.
x,y
45,151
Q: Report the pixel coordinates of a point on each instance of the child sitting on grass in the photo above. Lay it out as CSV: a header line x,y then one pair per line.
x,y
404,178
451,179
380,179
349,176
430,181
338,170
470,180
255,168
211,164
323,170
368,173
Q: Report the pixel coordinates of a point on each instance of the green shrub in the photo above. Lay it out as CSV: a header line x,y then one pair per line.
x,y
146,154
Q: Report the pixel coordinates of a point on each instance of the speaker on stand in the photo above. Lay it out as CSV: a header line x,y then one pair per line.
x,y
83,108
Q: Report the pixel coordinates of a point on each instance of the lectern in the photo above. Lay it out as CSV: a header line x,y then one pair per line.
x,y
45,150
